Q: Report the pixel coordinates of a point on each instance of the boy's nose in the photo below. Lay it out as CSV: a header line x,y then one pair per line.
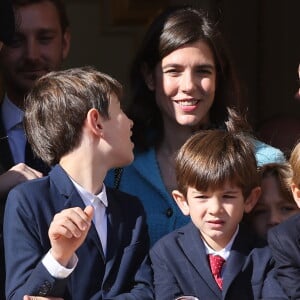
x,y
215,205
274,218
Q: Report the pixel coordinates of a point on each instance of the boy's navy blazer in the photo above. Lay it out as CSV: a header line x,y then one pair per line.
x,y
29,211
284,240
181,267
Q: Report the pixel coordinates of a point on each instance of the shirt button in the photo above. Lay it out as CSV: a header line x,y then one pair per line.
x,y
169,212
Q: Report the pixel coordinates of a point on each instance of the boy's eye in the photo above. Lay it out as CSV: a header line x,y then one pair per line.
x,y
288,209
201,197
228,196
259,212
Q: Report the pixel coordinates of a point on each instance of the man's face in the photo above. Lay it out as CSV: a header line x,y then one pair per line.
x,y
39,46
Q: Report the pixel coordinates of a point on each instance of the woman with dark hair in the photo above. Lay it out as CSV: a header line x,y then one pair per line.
x,y
182,82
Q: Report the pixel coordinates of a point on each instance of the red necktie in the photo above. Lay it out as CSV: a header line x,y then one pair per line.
x,y
216,263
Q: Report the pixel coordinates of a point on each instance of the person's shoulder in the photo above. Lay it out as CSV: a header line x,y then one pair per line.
x,y
287,227
32,193
285,236
31,186
170,240
267,154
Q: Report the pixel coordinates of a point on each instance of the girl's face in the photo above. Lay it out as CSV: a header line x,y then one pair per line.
x,y
272,208
184,83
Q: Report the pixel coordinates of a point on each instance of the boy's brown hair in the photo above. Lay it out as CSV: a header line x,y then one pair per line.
x,y
295,164
282,172
57,106
210,158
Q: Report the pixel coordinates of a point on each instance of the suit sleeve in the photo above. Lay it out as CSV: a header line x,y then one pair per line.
x,y
165,283
142,288
25,245
286,252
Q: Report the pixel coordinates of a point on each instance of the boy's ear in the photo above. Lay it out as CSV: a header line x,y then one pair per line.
x,y
94,121
296,193
148,77
252,199
181,202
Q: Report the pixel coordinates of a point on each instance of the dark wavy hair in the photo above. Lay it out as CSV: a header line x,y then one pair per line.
x,y
173,28
59,5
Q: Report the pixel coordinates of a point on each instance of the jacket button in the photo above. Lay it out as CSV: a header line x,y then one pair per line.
x,y
169,212
45,288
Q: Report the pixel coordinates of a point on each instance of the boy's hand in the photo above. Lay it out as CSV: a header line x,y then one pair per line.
x,y
67,232
15,175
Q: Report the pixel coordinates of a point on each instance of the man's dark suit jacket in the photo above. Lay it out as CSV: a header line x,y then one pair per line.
x,y
181,267
125,273
284,241
6,162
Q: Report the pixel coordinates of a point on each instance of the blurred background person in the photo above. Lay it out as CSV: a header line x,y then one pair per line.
x,y
40,43
276,202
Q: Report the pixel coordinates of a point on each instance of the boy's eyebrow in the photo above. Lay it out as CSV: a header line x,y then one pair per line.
x,y
232,191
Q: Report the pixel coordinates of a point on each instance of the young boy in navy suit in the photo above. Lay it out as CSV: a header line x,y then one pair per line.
x,y
67,235
284,238
217,183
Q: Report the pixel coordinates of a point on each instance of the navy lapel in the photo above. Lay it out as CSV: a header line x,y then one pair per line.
x,y
5,153
71,198
194,249
114,232
241,247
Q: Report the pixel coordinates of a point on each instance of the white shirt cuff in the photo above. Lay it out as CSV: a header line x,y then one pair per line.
x,y
56,269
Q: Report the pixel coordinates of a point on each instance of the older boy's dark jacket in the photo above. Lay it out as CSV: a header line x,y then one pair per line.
x,y
121,275
181,268
284,240
6,162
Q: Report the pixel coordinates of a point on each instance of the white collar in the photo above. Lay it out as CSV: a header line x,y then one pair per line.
x,y
225,252
91,198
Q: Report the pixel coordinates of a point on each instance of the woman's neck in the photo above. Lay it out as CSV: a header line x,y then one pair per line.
x,y
173,139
